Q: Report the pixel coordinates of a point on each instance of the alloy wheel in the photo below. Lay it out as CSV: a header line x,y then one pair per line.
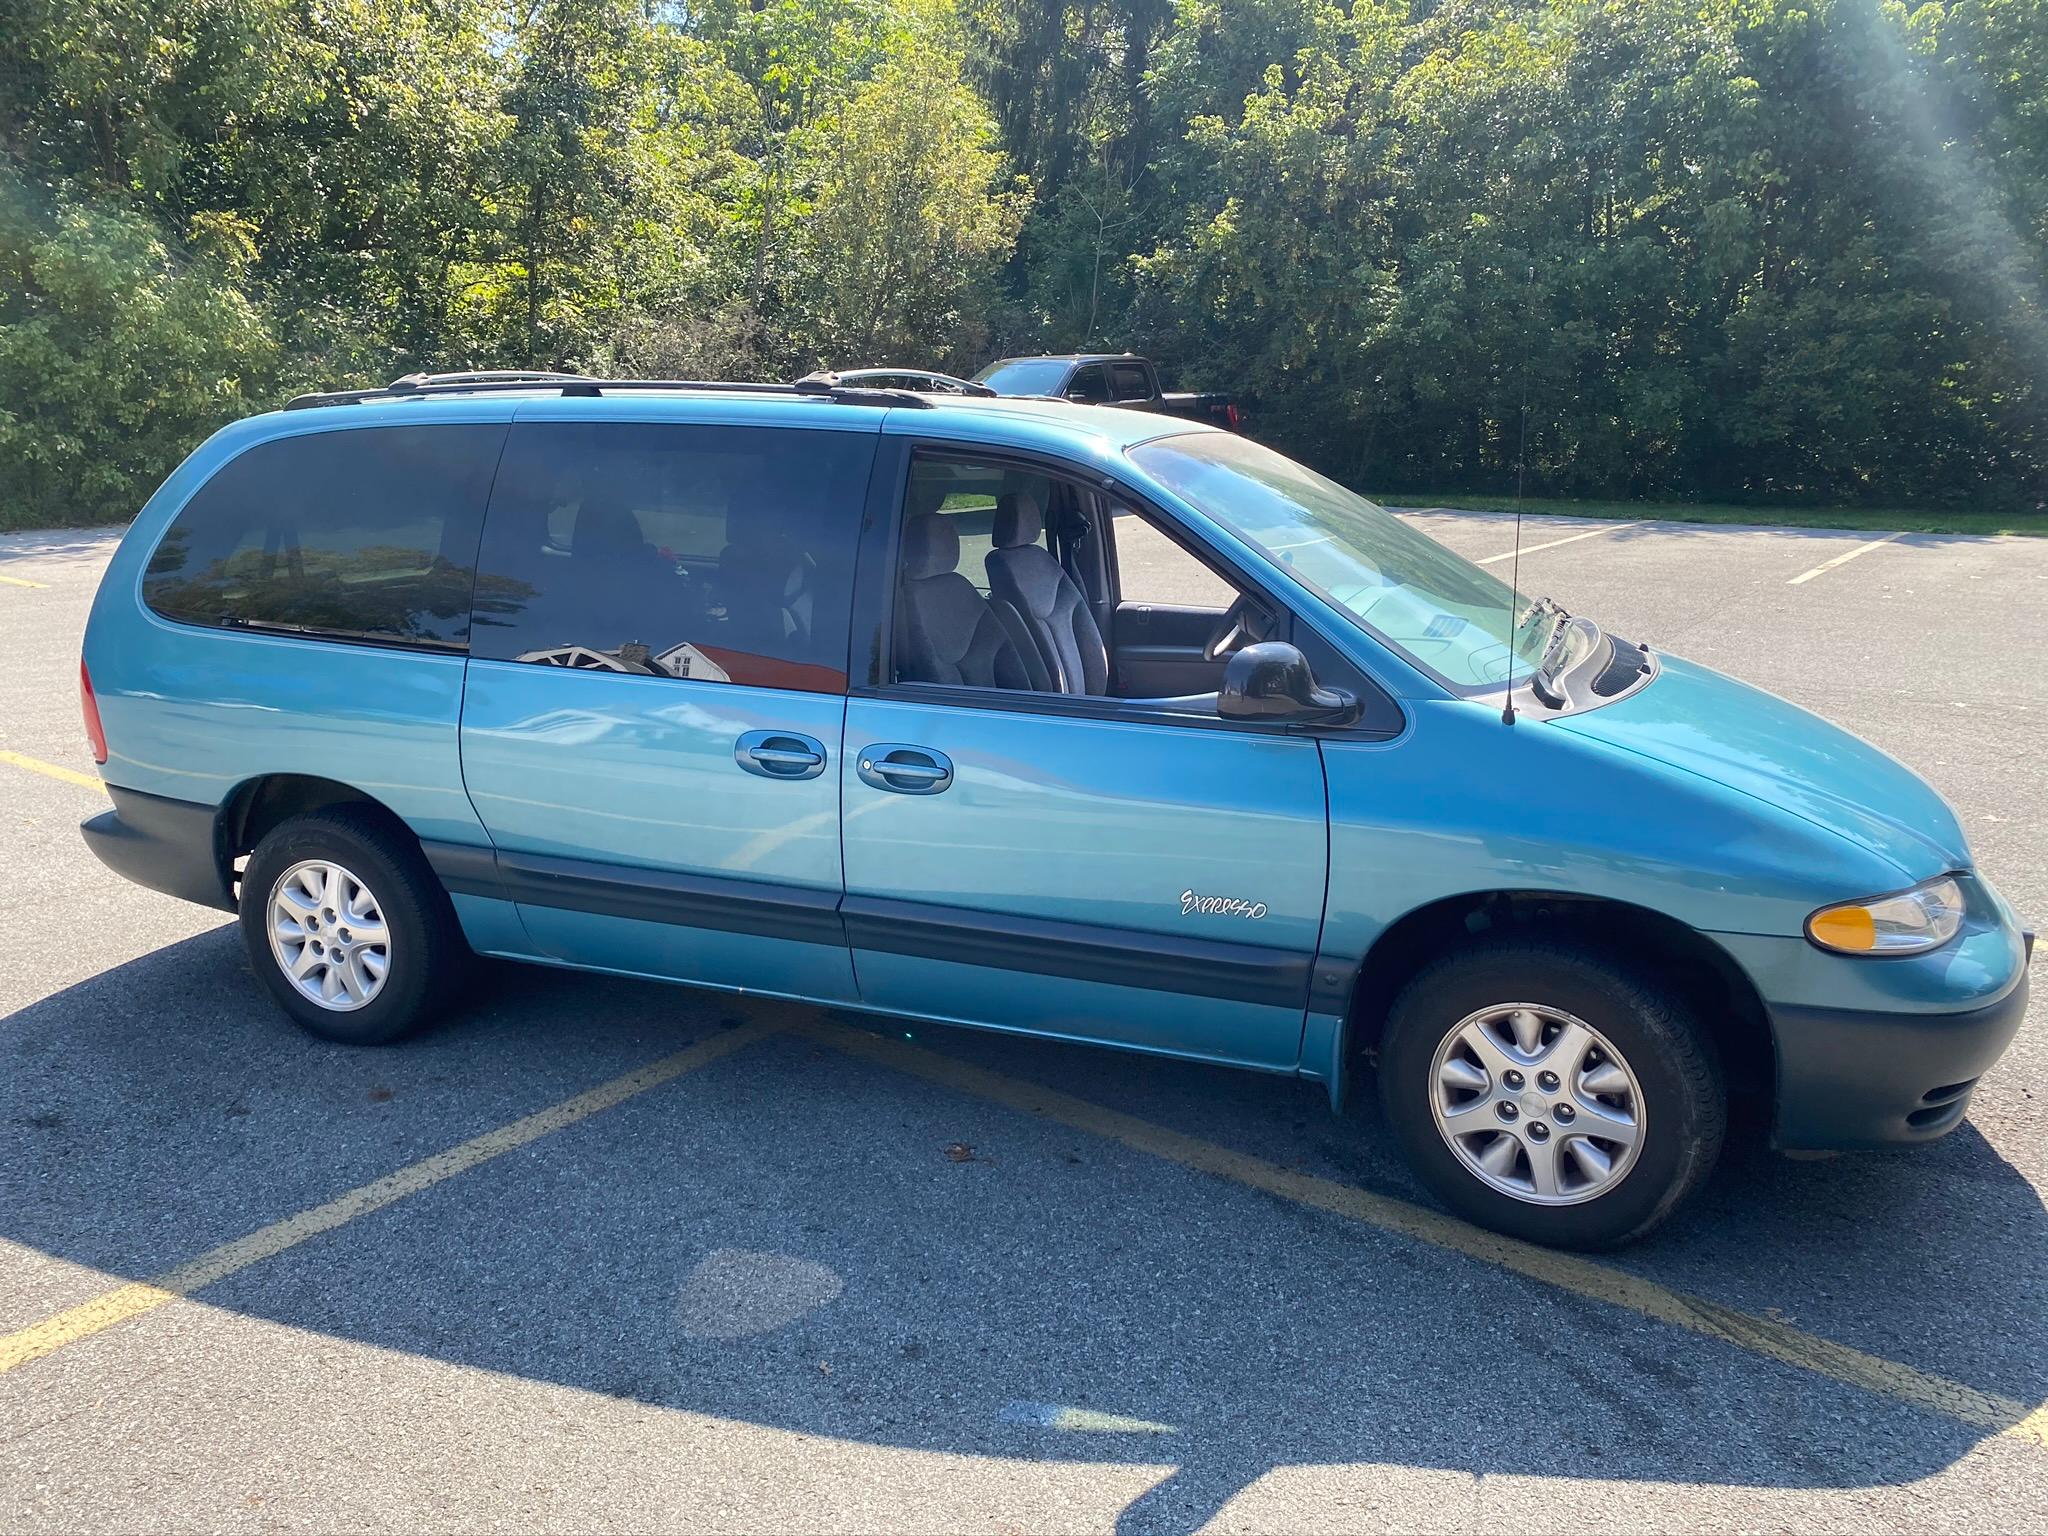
x,y
1536,1103
328,935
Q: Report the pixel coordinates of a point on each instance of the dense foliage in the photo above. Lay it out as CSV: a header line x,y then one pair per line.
x,y
1738,249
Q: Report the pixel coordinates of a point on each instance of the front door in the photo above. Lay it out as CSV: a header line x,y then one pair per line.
x,y
1058,862
653,715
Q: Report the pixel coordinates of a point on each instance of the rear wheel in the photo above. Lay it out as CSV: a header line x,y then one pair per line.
x,y
348,927
1551,1093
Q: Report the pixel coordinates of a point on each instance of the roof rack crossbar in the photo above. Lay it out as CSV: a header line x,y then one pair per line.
x,y
420,386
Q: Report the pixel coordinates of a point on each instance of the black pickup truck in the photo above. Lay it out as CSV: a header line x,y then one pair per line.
x,y
1104,378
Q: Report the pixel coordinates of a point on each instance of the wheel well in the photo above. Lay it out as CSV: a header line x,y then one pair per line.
x,y
1725,999
260,804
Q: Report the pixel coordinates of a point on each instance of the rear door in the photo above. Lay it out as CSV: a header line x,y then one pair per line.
x,y
1089,385
656,693
1132,384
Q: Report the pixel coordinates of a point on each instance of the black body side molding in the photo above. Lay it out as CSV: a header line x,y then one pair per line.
x,y
1246,973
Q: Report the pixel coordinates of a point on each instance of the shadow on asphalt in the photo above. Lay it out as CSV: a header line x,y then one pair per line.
x,y
42,543
165,1106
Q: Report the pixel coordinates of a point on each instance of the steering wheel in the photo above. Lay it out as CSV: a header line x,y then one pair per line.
x,y
1243,624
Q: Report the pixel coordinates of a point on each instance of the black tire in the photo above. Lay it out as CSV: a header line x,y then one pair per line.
x,y
428,956
1684,1102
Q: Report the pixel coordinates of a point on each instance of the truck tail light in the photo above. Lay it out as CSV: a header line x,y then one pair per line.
x,y
1232,415
95,734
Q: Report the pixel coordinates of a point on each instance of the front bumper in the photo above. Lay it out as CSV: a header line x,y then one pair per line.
x,y
1875,1052
167,845
1849,1077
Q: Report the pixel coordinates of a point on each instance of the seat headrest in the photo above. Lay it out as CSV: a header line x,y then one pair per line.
x,y
926,495
607,528
1018,519
931,546
768,563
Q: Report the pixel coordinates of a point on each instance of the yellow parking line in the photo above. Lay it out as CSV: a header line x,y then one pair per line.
x,y
124,1302
50,770
1591,533
1842,559
1583,1277
18,581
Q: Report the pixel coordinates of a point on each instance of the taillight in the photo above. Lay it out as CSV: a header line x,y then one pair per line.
x,y
94,734
1230,414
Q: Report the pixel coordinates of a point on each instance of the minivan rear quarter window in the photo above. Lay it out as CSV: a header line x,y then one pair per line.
x,y
713,554
363,534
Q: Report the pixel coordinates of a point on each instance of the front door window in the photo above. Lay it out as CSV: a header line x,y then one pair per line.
x,y
1008,579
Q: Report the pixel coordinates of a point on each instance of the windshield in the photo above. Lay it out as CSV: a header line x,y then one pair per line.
x,y
1442,612
1025,375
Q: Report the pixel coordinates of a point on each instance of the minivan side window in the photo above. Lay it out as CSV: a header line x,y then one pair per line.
x,y
1151,568
709,553
367,533
970,495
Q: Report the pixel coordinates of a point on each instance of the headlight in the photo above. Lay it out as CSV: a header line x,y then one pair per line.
x,y
1923,918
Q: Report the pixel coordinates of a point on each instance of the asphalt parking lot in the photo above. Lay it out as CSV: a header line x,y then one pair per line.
x,y
605,1255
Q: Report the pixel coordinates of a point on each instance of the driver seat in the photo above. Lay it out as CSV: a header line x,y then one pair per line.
x,y
1035,585
949,632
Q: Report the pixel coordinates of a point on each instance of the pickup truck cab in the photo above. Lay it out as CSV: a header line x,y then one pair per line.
x,y
1094,725
1104,378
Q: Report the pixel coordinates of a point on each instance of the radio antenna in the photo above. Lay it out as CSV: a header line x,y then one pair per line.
x,y
1507,708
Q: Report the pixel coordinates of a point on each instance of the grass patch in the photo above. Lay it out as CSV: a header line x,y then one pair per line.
x,y
1870,519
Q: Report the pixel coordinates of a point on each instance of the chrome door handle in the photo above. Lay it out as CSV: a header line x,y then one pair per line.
x,y
904,769
779,755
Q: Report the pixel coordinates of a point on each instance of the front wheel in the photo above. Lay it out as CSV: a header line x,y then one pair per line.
x,y
1547,1092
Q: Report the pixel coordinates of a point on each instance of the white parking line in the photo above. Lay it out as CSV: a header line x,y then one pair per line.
x,y
1590,534
1843,559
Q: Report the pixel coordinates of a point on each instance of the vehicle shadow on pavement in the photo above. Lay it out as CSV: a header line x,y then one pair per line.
x,y
801,1240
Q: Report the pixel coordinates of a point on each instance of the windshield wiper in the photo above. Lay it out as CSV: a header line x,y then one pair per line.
x,y
1544,680
278,626
1541,611
1542,608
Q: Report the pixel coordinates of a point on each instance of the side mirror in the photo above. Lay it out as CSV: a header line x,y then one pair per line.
x,y
1272,681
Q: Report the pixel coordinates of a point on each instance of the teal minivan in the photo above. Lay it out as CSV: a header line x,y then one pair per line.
x,y
1021,715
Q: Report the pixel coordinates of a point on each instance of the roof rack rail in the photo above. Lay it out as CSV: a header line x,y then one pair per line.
x,y
928,381
411,381
415,386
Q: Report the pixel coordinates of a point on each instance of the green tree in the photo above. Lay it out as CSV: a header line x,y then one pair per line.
x,y
1766,248
117,353
908,214
1274,280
